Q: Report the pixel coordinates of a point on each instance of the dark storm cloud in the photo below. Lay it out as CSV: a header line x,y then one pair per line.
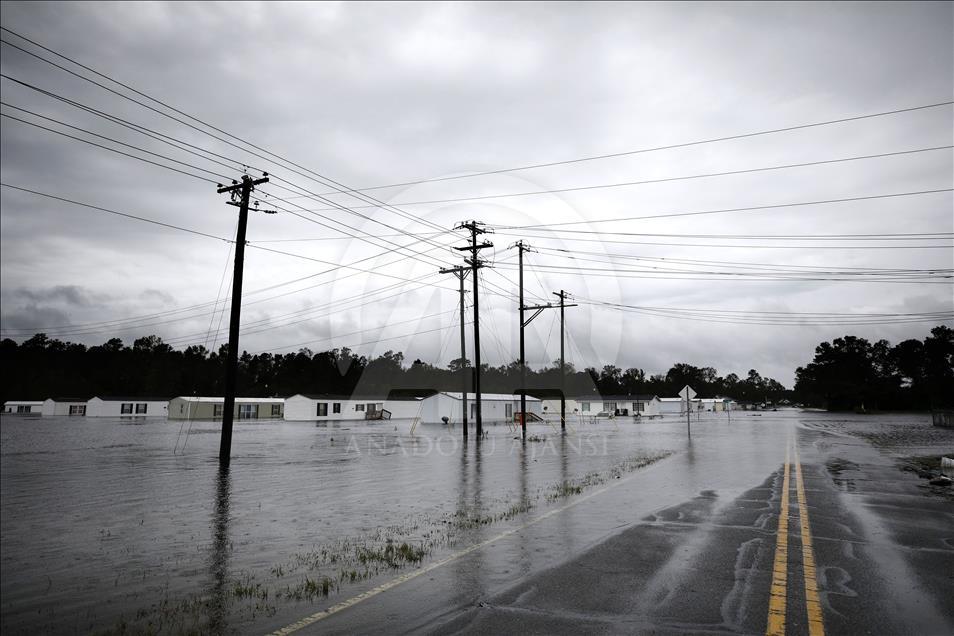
x,y
26,316
61,294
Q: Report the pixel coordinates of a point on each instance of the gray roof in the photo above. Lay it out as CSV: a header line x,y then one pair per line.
x,y
126,398
641,397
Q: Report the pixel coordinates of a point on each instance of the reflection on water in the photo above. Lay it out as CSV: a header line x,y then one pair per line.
x,y
219,554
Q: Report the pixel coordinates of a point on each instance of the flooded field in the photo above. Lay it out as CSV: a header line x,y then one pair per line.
x,y
126,526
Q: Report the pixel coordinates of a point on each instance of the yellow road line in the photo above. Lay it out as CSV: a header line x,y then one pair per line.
x,y
384,587
815,625
777,598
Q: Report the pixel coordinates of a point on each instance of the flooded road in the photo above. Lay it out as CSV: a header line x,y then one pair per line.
x,y
117,526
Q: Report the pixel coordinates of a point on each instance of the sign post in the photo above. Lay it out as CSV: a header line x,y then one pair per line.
x,y
687,393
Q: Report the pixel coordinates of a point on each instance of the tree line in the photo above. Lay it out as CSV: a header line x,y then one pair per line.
x,y
847,373
43,367
853,373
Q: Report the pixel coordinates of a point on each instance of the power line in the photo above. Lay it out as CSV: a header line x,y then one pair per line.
x,y
171,226
798,320
128,216
610,258
120,152
320,178
115,141
677,178
216,174
718,245
811,314
548,226
179,144
711,275
658,148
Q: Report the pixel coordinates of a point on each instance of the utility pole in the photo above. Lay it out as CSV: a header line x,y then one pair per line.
x,y
523,247
475,263
523,356
240,193
562,295
461,273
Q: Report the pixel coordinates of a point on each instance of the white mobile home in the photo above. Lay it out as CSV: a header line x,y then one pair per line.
x,y
619,405
75,407
127,407
494,407
303,407
677,406
328,407
210,408
717,405
22,407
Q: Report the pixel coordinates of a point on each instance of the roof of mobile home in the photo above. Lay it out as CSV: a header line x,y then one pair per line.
x,y
126,398
615,398
499,397
354,398
253,400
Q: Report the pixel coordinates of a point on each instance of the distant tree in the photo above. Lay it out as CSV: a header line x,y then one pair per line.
x,y
939,367
457,364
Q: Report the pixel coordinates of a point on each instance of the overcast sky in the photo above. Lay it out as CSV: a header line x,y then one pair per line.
x,y
377,94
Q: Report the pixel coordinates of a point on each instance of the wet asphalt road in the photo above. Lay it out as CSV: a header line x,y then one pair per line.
x,y
691,544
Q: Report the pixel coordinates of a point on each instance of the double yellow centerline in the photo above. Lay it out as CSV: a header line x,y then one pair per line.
x,y
778,595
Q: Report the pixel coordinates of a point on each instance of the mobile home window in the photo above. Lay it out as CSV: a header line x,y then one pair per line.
x,y
336,407
322,409
23,409
126,408
609,407
77,409
585,407
276,410
141,408
508,411
639,407
359,407
217,410
248,411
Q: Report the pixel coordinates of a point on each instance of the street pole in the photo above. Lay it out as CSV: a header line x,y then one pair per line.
x,y
562,370
562,295
463,357
240,193
523,356
475,228
461,273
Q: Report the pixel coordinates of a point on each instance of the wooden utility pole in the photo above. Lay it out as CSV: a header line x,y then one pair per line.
x,y
523,356
240,193
562,295
475,263
523,247
461,273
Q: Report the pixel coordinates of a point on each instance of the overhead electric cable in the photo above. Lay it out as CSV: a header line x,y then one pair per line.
x,y
659,148
705,175
549,226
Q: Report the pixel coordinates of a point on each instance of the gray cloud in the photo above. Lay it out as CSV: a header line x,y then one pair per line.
x,y
370,93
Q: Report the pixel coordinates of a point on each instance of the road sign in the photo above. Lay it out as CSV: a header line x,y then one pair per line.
x,y
687,393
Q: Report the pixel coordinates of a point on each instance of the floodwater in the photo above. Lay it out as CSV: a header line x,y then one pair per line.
x,y
118,526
